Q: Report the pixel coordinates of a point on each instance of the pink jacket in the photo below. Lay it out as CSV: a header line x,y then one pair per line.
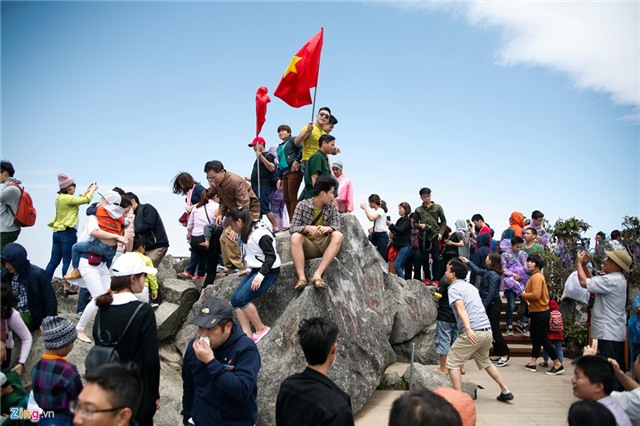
x,y
345,195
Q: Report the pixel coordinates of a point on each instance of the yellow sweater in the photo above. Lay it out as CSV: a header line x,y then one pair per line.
x,y
67,207
537,293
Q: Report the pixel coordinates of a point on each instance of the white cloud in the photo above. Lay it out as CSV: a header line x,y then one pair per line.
x,y
595,44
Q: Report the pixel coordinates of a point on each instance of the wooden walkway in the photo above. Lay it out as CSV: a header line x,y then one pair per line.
x,y
539,399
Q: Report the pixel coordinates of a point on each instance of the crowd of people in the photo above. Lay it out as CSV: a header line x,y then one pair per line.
x,y
231,227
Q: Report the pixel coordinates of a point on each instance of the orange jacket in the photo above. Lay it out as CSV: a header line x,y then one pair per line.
x,y
109,224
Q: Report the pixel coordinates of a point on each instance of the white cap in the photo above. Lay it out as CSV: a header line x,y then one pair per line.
x,y
131,264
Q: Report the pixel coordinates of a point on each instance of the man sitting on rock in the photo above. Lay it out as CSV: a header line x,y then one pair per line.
x,y
474,330
311,398
315,232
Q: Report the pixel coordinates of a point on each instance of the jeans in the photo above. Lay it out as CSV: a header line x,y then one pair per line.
x,y
381,242
265,198
197,265
96,246
243,294
558,345
63,241
84,297
401,258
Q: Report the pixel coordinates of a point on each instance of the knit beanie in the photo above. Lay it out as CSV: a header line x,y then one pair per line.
x,y
64,181
58,332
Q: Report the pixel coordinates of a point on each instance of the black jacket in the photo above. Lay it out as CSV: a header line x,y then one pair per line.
x,y
401,232
41,298
148,224
138,345
312,399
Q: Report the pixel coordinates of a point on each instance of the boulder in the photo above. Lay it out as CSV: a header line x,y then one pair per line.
x,y
170,317
172,289
416,308
427,378
425,347
392,381
166,269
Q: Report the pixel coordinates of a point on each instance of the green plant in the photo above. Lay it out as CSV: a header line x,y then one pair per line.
x,y
576,337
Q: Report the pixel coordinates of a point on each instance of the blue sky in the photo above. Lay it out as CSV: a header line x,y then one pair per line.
x,y
495,107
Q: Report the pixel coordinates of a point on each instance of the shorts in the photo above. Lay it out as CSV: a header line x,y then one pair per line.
x,y
446,334
316,247
462,350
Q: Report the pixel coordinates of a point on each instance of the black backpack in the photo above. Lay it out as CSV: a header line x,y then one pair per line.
x,y
106,352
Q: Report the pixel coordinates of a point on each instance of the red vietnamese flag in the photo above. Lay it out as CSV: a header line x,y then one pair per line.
x,y
301,74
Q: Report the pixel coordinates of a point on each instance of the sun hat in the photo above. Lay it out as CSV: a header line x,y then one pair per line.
x,y
620,258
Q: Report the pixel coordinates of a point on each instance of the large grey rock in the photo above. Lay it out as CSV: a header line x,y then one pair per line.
x,y
170,396
425,347
176,314
166,269
363,354
172,289
427,378
416,308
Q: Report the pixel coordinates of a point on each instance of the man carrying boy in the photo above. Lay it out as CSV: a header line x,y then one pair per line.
x,y
56,382
474,330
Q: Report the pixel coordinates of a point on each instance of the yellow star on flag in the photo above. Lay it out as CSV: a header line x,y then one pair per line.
x,y
292,65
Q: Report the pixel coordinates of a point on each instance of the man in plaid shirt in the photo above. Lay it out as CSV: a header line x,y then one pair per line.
x,y
315,232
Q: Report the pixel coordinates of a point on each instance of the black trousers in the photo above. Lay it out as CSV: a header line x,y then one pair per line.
x,y
210,255
539,330
500,347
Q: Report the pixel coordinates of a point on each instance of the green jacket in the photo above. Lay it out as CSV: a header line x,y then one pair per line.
x,y
432,216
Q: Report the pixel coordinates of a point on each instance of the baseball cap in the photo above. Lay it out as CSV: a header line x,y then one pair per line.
x,y
258,140
212,312
131,264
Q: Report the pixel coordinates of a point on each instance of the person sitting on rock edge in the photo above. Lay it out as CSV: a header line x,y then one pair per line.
x,y
315,232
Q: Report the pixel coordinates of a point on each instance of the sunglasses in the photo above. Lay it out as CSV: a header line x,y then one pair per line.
x,y
324,115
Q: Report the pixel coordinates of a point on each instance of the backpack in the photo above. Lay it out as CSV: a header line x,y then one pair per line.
x,y
26,214
106,353
555,323
282,157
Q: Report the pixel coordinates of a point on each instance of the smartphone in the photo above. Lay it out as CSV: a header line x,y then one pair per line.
x,y
389,218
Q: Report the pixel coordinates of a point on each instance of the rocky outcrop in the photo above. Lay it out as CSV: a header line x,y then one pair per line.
x,y
379,316
427,378
372,308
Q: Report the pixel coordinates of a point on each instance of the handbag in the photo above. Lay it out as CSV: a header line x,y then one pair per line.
x,y
212,230
184,219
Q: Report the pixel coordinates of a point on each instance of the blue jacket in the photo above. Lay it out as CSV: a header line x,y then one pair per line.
x,y
41,299
224,391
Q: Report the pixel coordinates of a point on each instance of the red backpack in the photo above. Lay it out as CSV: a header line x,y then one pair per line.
x,y
26,214
555,322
